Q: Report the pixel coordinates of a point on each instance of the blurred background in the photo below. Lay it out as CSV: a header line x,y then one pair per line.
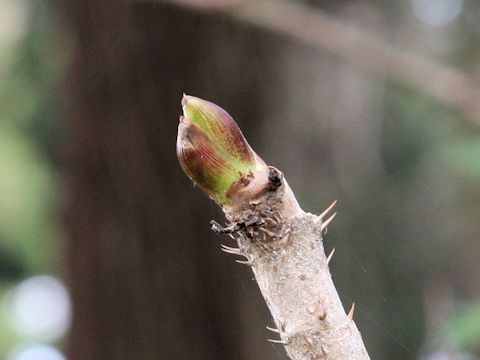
x,y
105,247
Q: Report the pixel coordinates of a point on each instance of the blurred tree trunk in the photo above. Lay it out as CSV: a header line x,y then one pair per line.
x,y
147,277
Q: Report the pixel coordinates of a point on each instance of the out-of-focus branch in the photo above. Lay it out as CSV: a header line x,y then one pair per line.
x,y
311,26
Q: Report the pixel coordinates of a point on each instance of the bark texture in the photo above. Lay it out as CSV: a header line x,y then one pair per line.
x,y
284,247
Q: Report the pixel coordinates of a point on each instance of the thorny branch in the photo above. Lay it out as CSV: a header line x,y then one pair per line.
x,y
258,242
281,243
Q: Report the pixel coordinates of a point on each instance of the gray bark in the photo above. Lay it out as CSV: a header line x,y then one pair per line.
x,y
284,247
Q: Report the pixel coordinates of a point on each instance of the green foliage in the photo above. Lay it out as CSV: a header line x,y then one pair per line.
x,y
27,189
463,156
29,232
464,329
30,69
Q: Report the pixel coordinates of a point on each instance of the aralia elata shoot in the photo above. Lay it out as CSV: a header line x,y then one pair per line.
x,y
282,244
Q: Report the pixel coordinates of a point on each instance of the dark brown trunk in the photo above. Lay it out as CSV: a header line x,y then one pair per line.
x,y
147,277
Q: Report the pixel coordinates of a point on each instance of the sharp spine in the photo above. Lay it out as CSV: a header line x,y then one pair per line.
x,y
327,222
273,330
309,341
324,350
244,262
327,210
352,310
283,342
330,256
231,250
268,233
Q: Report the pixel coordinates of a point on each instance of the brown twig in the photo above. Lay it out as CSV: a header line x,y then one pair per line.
x,y
311,26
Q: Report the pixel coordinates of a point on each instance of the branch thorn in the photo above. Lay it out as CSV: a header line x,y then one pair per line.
x,y
352,310
283,342
320,311
231,250
327,222
275,330
309,342
245,262
330,255
327,210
